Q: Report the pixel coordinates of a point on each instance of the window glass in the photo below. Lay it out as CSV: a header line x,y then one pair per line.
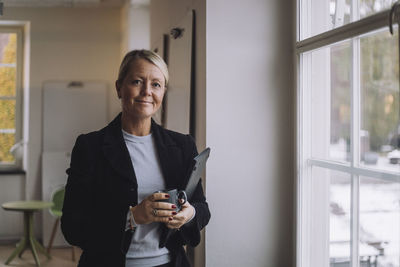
x,y
7,81
8,48
329,78
329,222
319,16
6,142
379,243
340,111
339,218
8,95
380,125
7,114
370,7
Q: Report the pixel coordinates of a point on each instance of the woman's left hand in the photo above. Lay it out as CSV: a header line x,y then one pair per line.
x,y
181,217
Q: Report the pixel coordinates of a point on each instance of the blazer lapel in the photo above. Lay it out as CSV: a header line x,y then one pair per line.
x,y
170,156
116,152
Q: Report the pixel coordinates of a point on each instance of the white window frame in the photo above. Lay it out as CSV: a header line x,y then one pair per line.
x,y
21,28
305,161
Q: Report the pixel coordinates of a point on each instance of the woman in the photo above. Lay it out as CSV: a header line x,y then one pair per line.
x,y
110,208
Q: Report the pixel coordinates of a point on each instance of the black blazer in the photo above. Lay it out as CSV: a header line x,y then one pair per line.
x,y
102,185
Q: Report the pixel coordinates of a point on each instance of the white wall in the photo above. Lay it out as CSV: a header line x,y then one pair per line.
x,y
66,44
135,23
245,113
250,128
12,187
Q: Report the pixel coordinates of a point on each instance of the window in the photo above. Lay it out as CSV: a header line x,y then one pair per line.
x,y
10,97
348,204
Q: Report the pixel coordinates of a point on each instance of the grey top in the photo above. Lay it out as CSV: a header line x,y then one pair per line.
x,y
144,249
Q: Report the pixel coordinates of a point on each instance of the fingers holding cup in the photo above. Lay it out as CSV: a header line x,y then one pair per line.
x,y
182,217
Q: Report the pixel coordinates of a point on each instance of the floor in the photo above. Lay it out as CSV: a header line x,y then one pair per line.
x,y
61,257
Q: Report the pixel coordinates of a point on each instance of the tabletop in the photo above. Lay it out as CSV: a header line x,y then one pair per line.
x,y
29,205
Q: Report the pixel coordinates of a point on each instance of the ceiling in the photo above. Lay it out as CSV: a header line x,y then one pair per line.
x,y
63,3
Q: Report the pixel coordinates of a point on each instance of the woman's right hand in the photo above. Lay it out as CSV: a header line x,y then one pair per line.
x,y
150,210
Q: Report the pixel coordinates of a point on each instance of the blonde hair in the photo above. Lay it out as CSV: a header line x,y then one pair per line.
x,y
147,55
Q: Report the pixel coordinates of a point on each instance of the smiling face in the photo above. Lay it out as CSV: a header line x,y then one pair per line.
x,y
142,90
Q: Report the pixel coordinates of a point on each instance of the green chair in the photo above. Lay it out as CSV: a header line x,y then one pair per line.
x,y
56,210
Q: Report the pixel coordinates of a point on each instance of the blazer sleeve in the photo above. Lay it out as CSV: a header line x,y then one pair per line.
x,y
75,219
190,232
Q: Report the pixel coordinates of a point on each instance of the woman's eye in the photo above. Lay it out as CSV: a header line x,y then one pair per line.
x,y
156,85
136,82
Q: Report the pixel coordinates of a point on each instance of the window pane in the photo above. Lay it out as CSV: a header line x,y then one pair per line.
x,y
8,48
340,102
339,221
318,16
379,222
7,114
369,7
6,142
329,219
8,81
330,82
379,140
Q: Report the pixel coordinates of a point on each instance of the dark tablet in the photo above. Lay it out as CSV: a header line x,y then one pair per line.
x,y
197,171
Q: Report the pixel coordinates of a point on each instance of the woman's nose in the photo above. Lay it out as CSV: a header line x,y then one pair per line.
x,y
146,88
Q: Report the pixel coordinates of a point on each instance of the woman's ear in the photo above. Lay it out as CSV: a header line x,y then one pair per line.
x,y
118,88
